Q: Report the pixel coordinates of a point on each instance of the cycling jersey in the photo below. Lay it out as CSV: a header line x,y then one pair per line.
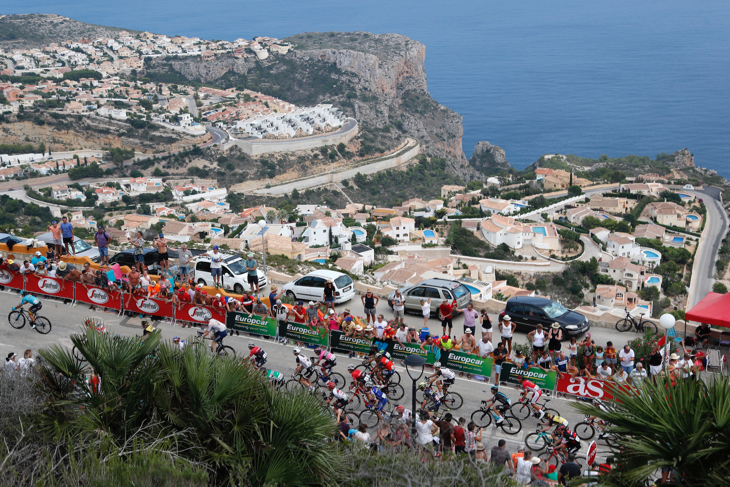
x,y
182,344
216,326
531,386
432,394
558,421
379,395
447,374
501,398
259,353
274,375
327,356
338,394
356,374
569,437
30,299
385,363
303,361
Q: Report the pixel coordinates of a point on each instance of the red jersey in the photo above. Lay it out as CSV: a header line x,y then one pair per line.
x,y
385,363
530,386
356,374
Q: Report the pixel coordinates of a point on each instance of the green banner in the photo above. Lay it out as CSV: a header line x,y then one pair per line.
x,y
514,375
343,344
302,333
251,324
400,352
468,363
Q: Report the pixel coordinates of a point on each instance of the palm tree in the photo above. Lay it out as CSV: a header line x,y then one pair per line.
x,y
685,427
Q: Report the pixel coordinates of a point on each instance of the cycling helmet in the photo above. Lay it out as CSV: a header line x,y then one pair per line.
x,y
560,428
369,384
380,354
318,350
296,351
251,345
400,409
145,322
331,385
22,293
495,388
422,385
175,339
350,368
387,355
437,365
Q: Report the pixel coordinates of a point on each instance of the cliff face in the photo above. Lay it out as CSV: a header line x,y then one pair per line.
x,y
682,158
489,159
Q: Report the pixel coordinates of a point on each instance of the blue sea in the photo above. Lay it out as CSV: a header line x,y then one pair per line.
x,y
534,77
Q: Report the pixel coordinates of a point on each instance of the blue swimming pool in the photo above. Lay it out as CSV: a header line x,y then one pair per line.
x,y
644,306
216,231
539,230
693,217
429,233
653,280
472,289
321,261
678,239
684,196
650,254
358,232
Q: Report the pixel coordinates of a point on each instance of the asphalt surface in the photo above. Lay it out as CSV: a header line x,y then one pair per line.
x,y
67,319
218,136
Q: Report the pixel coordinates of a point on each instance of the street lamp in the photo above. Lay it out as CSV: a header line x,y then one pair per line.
x,y
414,364
264,229
666,321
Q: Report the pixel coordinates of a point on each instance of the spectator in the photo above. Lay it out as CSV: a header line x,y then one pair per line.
x,y
62,270
184,256
103,239
312,313
216,260
537,337
518,359
484,346
27,363
343,426
138,243
281,314
610,354
569,470
398,306
362,434
446,314
274,295
328,295
588,353
369,301
523,470
702,334
39,262
481,455
470,318
545,362
402,334
499,356
412,335
655,360
446,432
67,233
520,454
573,348
561,363
26,268
10,365
599,356
604,371
620,376
500,456
163,257
507,329
486,324
425,428
460,436
638,375
426,311
380,325
627,359
57,236
253,277
260,308
467,342
472,437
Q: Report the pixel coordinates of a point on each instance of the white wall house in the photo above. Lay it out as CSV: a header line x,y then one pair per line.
x,y
106,195
400,228
299,122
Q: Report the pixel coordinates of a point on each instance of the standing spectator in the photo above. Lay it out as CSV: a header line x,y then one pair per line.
x,y
627,359
216,262
402,334
507,328
362,433
470,318
260,308
253,277
446,432
573,348
484,347
555,336
486,325
380,325
57,235
184,256
10,365
163,258
425,428
604,371
274,295
472,438
523,471
398,306
520,454
568,471
39,262
426,311
328,296
610,354
499,355
343,425
312,313
446,314
467,342
27,363
481,455
561,363
537,337
369,301
500,456
588,353
599,356
655,360
67,232
138,243
102,239
638,375
460,436
281,314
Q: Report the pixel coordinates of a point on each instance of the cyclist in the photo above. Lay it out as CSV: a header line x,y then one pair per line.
x,y
499,403
330,360
276,378
553,420
530,386
257,354
429,393
402,414
600,424
566,440
147,328
376,398
384,367
374,354
180,344
358,375
443,378
340,397
305,367
219,332
35,305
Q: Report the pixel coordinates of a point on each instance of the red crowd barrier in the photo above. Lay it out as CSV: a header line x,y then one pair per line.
x,y
149,306
49,286
96,296
593,388
11,279
199,314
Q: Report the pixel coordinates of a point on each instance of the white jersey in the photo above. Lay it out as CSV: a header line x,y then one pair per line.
x,y
406,416
182,344
303,361
448,374
338,394
216,326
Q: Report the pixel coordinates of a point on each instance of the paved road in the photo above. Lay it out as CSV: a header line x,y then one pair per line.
x,y
590,192
192,108
349,124
67,320
219,136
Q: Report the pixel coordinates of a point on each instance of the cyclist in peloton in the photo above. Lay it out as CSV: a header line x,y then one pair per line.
x,y
402,414
257,354
305,367
219,332
384,367
359,377
565,440
147,329
443,378
530,386
499,403
429,393
180,344
553,420
330,360
35,305
276,378
375,398
339,397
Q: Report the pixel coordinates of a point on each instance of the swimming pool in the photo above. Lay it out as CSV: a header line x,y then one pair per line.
x,y
693,217
429,234
539,230
650,254
321,261
472,289
653,280
357,232
678,239
684,196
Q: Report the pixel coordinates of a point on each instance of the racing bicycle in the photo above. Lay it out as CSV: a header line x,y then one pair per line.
x,y
221,350
18,317
523,408
483,417
640,325
556,457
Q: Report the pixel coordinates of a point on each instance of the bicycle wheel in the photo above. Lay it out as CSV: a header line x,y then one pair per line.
x,y
353,419
649,325
510,425
623,325
550,458
16,319
419,396
365,369
612,442
42,325
481,418
338,379
355,402
394,392
226,351
293,385
77,355
369,418
521,412
453,400
395,378
585,431
536,442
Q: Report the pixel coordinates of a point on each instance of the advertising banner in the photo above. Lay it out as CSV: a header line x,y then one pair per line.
x,y
593,388
340,343
11,279
49,286
400,352
514,375
467,363
200,314
302,333
150,306
251,324
97,296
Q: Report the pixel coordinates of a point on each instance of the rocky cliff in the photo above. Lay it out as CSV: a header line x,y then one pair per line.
x,y
681,158
489,159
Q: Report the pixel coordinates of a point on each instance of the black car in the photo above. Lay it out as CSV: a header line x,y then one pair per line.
x,y
528,312
150,259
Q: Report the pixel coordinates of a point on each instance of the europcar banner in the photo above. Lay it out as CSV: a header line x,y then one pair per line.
x,y
49,286
200,314
400,352
514,375
98,296
302,333
344,344
468,363
251,324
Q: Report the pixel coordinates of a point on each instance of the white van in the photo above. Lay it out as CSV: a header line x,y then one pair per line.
x,y
311,286
233,270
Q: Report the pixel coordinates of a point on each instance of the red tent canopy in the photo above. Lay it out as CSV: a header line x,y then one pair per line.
x,y
713,310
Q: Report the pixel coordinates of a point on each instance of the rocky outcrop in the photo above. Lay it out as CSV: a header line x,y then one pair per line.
x,y
36,30
489,159
681,158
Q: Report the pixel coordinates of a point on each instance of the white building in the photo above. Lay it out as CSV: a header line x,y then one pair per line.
x,y
297,123
106,195
254,231
400,228
500,206
318,232
60,192
138,185
623,245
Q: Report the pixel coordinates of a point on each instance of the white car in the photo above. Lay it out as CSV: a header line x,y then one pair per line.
x,y
688,186
311,286
233,270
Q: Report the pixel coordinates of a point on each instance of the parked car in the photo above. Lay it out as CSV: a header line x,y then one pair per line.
x,y
233,273
527,312
436,289
688,186
151,257
311,286
81,248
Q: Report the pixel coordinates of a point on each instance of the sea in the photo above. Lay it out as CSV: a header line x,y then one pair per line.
x,y
534,77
